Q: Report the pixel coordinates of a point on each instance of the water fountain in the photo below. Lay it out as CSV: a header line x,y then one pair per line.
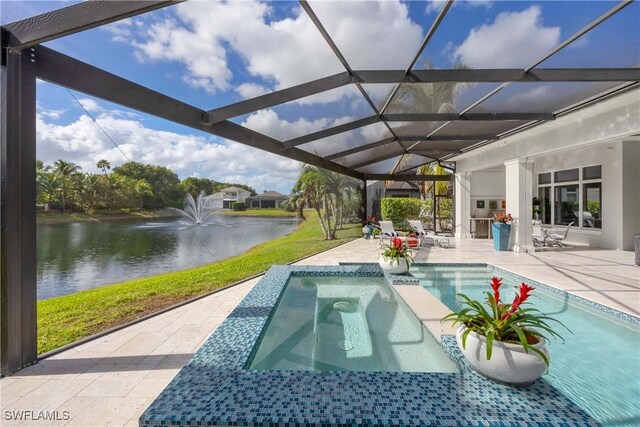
x,y
196,209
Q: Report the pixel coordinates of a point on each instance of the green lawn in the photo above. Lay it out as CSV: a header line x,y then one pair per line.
x,y
260,212
69,318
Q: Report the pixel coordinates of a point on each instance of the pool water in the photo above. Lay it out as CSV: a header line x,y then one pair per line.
x,y
346,324
598,367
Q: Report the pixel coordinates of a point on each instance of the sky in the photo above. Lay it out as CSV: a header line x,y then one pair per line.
x,y
211,53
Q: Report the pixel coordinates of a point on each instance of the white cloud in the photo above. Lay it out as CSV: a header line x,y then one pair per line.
x,y
436,5
514,39
91,105
285,52
251,90
82,142
49,113
269,123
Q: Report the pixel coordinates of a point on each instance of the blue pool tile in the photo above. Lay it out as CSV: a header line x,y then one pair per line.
x,y
215,388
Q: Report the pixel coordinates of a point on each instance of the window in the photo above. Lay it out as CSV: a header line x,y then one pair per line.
x,y
566,204
592,197
544,194
544,178
567,175
592,172
571,196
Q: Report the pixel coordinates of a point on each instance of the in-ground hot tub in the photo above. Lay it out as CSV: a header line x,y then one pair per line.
x,y
221,386
329,323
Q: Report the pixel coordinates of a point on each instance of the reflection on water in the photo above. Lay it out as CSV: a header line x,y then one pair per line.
x,y
77,256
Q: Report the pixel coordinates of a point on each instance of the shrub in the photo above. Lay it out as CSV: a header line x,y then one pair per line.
x,y
288,205
238,206
399,209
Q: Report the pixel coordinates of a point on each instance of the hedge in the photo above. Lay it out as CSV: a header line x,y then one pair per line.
x,y
399,209
238,206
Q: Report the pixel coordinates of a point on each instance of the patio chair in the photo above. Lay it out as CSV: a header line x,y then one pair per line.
x,y
387,231
538,236
428,236
419,229
556,236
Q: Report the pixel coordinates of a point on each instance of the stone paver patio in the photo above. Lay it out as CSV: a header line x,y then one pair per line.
x,y
112,380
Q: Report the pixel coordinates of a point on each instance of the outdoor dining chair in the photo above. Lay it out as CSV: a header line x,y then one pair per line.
x,y
555,237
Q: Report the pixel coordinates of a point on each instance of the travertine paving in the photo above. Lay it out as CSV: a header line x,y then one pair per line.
x,y
112,380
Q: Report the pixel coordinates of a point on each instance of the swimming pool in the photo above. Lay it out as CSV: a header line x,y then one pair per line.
x,y
599,365
347,323
217,387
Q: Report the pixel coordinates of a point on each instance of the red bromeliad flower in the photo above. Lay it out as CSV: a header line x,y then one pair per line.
x,y
397,243
495,285
525,291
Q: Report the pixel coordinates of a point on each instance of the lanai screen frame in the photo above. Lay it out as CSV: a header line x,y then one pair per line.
x,y
24,60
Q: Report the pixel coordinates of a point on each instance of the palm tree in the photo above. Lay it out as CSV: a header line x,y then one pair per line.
x,y
90,190
319,187
49,185
65,170
141,189
104,165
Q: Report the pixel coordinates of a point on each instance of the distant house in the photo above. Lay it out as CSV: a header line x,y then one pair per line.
x,y
223,199
268,199
402,189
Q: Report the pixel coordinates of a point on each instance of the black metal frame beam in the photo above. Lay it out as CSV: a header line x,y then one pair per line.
x,y
78,17
423,45
412,138
325,133
18,285
377,159
541,71
479,117
325,34
361,148
435,117
407,177
278,97
422,76
63,70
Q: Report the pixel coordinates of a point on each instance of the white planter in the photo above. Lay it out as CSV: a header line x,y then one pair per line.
x,y
392,266
509,363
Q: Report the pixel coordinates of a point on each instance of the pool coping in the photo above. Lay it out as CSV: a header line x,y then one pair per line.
x,y
216,388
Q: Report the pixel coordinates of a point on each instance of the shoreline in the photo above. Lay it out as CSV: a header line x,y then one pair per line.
x,y
65,319
75,217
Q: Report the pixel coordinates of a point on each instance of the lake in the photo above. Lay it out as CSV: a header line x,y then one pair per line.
x,y
77,256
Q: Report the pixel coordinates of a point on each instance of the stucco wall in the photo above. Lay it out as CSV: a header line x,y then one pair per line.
x,y
586,137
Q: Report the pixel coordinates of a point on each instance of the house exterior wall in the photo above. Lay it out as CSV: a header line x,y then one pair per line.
x,y
223,199
598,135
487,185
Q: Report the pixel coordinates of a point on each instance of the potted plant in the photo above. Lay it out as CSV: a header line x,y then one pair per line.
x,y
501,231
368,226
506,341
395,257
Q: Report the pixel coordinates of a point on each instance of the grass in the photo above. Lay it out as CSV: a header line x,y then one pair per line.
x,y
99,216
280,213
66,319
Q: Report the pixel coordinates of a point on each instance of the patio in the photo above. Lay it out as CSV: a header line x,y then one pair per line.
x,y
116,377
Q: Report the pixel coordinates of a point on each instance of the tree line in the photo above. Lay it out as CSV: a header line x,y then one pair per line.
x,y
66,187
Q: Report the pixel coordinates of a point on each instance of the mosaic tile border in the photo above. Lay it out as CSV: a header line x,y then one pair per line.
x,y
572,297
214,388
520,278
